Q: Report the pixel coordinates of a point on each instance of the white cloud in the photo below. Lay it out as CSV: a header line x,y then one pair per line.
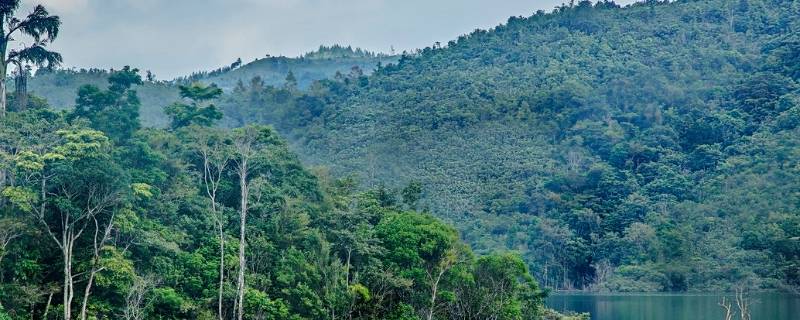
x,y
65,6
177,37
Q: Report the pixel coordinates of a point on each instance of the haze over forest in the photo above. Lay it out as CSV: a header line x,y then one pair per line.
x,y
595,148
191,37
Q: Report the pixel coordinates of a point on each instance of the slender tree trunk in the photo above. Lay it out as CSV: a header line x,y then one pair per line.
x,y
67,277
221,269
434,292
47,307
347,266
21,88
86,293
3,100
3,178
97,246
3,44
244,188
212,182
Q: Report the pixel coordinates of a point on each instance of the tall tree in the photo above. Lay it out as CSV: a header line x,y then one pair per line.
x,y
39,25
246,145
198,112
68,187
214,149
114,111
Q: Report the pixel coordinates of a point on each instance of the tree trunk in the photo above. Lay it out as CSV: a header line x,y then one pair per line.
x,y
3,100
3,178
347,266
244,188
434,289
98,246
47,307
67,278
21,89
221,269
86,292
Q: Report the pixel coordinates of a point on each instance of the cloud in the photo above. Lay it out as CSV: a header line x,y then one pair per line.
x,y
177,37
65,6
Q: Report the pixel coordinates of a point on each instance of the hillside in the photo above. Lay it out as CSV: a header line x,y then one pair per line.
x,y
59,87
323,63
197,222
651,147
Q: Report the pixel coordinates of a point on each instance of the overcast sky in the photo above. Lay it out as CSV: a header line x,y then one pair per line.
x,y
176,37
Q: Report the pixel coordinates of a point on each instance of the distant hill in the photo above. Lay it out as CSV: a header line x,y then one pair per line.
x,y
59,87
650,147
320,64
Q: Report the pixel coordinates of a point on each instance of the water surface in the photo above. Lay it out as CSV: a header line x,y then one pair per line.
x,y
655,306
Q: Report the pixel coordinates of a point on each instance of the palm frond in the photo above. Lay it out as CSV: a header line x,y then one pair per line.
x,y
39,23
36,54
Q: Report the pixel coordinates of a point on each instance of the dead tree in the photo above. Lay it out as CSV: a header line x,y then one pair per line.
x,y
726,305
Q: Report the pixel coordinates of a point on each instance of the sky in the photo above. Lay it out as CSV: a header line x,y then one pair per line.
x,y
176,37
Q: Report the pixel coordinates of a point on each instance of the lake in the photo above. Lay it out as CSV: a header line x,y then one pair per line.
x,y
655,306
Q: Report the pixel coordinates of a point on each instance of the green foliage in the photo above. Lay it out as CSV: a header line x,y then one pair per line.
x,y
311,254
195,114
21,197
587,136
3,314
260,306
647,148
114,111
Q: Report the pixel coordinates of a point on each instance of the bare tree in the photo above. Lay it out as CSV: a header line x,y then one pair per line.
x,y
72,229
51,290
136,302
97,245
216,155
728,308
743,303
603,271
436,271
89,198
246,147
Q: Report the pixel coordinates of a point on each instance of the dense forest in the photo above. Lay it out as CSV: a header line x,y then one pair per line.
x,y
646,148
651,147
104,219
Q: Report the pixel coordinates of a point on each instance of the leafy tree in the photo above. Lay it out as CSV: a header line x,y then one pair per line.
x,y
195,113
72,184
114,111
39,25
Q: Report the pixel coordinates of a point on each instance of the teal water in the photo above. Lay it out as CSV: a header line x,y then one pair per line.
x,y
649,306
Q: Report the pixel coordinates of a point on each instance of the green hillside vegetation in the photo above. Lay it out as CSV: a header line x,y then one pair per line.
x,y
323,63
58,87
101,218
646,148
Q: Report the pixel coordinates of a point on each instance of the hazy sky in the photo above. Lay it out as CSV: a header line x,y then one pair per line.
x,y
176,37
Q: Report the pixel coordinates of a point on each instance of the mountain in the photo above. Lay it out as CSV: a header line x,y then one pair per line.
x,y
323,63
638,148
59,87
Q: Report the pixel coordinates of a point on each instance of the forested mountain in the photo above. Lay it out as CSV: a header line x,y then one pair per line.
x,y
58,87
646,148
323,63
652,147
101,218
